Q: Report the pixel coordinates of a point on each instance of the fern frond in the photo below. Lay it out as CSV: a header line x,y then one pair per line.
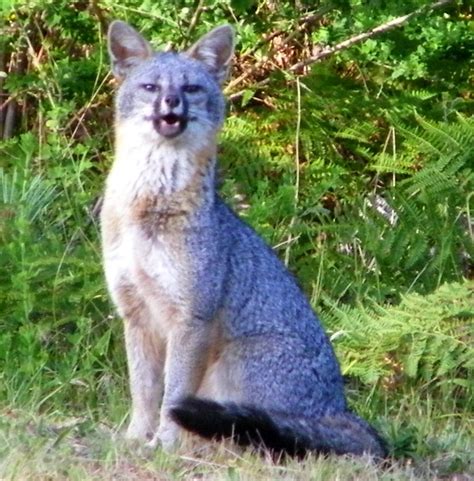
x,y
426,339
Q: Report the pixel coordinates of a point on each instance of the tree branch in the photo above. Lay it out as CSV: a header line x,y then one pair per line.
x,y
328,51
385,27
195,18
300,24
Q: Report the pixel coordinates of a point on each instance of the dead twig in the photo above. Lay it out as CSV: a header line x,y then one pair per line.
x,y
195,18
300,25
297,174
325,52
385,27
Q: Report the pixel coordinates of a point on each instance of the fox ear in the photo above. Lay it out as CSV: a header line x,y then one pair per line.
x,y
127,48
215,51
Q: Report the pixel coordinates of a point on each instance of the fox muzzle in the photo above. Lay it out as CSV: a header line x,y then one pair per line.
x,y
170,118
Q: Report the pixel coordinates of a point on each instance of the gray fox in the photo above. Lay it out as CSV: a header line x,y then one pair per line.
x,y
217,330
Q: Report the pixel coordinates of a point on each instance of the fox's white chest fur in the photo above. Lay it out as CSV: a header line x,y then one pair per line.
x,y
149,265
136,252
145,166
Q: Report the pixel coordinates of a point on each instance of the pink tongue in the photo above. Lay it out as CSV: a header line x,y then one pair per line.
x,y
168,128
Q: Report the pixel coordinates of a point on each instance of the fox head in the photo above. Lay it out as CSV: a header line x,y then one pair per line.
x,y
170,96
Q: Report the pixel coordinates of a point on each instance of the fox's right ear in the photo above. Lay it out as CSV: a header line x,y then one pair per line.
x,y
127,48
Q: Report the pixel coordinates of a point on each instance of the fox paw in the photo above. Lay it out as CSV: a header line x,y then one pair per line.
x,y
167,437
139,432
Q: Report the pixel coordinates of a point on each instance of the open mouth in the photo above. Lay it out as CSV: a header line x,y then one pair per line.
x,y
170,125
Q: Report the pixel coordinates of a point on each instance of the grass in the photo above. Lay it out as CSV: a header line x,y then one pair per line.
x,y
51,446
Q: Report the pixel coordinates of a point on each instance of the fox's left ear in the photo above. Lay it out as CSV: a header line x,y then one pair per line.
x,y
215,51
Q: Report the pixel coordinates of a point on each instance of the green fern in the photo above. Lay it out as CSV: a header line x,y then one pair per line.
x,y
424,235
29,197
426,342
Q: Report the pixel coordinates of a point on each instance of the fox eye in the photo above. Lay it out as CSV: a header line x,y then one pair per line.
x,y
150,87
192,88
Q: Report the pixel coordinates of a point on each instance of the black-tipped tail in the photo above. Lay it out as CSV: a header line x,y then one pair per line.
x,y
338,433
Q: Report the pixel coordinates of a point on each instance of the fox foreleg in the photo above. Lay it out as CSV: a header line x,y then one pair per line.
x,y
186,358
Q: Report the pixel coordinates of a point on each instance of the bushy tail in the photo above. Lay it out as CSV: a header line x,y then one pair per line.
x,y
340,433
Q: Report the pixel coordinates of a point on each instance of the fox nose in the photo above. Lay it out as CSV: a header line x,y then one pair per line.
x,y
172,100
